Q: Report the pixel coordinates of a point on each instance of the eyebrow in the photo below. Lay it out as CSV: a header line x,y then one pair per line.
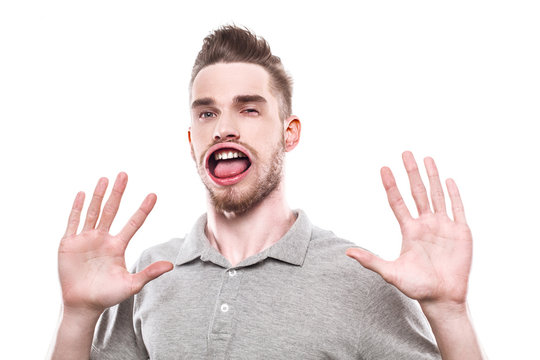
x,y
207,101
239,99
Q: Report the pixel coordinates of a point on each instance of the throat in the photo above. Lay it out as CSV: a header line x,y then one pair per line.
x,y
240,237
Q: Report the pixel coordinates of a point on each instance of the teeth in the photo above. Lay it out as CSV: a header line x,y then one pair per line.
x,y
224,155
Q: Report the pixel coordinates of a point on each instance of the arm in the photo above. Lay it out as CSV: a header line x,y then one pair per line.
x,y
92,270
435,259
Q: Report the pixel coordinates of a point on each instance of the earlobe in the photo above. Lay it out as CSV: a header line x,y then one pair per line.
x,y
292,132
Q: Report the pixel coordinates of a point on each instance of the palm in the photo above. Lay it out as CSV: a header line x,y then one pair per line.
x,y
436,251
91,264
431,264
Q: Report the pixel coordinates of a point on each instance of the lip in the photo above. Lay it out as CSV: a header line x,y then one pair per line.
x,y
231,180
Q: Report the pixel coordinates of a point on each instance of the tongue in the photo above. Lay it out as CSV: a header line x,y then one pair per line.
x,y
231,167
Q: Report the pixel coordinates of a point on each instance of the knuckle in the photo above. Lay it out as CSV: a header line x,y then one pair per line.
x,y
108,209
398,201
92,214
437,194
116,192
419,188
133,223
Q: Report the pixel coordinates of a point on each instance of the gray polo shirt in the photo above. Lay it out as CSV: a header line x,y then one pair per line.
x,y
301,298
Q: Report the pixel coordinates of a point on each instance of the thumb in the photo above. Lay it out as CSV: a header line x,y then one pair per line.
x,y
148,274
371,262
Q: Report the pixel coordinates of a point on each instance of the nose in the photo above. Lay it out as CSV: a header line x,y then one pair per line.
x,y
226,128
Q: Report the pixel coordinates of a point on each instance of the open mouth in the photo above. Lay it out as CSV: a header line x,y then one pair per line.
x,y
227,166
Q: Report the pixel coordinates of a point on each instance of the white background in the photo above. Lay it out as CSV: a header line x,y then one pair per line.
x,y
90,89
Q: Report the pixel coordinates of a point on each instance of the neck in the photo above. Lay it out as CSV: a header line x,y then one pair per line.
x,y
238,237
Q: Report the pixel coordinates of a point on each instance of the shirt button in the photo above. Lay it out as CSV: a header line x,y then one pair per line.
x,y
232,272
224,307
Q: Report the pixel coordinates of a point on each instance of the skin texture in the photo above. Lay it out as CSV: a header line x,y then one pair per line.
x,y
433,267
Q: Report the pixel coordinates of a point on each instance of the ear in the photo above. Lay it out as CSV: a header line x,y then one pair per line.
x,y
292,132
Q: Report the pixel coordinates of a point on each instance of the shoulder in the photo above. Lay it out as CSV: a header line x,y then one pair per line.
x,y
327,259
167,251
345,280
327,251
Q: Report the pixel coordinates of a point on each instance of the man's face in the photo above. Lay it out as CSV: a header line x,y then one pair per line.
x,y
236,135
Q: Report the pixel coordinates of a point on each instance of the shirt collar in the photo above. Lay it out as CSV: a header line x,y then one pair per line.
x,y
291,248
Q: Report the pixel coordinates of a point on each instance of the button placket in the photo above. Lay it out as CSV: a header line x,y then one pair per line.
x,y
225,303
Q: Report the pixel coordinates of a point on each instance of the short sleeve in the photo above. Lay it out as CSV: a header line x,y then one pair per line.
x,y
394,327
117,336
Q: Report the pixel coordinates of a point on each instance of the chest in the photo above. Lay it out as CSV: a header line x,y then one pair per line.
x,y
246,313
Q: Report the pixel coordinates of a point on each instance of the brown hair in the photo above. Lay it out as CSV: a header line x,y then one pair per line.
x,y
230,44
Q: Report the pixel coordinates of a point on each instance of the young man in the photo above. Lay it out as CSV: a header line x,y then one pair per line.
x,y
255,279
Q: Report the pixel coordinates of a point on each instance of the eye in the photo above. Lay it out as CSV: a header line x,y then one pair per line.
x,y
206,114
251,111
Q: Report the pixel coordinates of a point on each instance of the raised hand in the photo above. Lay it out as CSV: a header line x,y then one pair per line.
x,y
436,251
91,264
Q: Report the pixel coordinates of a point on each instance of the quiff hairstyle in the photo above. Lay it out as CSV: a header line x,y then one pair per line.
x,y
231,44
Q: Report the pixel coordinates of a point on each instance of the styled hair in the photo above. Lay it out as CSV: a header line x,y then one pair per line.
x,y
231,44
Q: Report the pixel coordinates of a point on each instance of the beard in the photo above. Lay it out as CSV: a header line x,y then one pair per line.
x,y
230,199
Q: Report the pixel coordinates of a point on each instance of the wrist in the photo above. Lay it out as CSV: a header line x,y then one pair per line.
x,y
81,318
445,311
75,333
453,329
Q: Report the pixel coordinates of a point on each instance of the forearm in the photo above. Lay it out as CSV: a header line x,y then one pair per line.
x,y
74,336
454,332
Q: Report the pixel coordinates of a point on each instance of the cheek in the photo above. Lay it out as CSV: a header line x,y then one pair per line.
x,y
199,136
192,152
197,146
265,132
268,147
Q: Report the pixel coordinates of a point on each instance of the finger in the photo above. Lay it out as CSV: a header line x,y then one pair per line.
x,y
372,262
111,206
418,189
394,197
136,221
75,215
149,273
437,193
455,199
92,214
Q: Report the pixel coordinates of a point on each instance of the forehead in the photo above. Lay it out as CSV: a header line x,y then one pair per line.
x,y
224,81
